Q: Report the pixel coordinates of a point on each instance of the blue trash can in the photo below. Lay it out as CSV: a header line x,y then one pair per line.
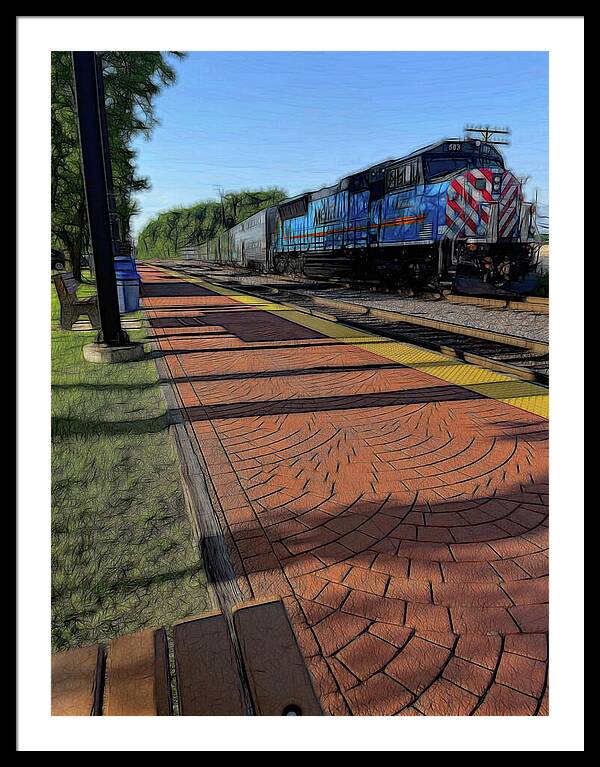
x,y
124,264
128,291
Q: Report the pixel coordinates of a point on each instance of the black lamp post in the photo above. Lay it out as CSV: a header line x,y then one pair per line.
x,y
97,175
108,174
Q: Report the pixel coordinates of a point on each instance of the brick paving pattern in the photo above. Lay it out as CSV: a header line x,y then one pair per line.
x,y
403,520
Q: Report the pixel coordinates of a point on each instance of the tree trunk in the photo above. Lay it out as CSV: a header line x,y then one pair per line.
x,y
73,247
79,241
76,259
71,256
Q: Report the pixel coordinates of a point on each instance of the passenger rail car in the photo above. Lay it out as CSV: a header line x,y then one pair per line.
x,y
246,244
448,212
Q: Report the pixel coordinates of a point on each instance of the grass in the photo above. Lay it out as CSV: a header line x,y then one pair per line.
x,y
122,552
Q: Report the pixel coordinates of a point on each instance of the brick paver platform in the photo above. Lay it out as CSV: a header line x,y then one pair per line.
x,y
402,518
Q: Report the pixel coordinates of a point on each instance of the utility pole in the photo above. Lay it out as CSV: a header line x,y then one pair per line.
x,y
112,343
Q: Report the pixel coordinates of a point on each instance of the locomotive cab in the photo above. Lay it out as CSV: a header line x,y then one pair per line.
x,y
452,157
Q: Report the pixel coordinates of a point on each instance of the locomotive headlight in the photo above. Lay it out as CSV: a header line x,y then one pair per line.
x,y
496,181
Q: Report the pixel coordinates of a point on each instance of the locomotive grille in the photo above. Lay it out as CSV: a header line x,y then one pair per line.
x,y
426,232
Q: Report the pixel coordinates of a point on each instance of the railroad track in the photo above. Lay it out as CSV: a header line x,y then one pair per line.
x,y
533,304
525,358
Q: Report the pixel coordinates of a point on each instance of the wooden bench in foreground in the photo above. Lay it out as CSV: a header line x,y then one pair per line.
x,y
133,679
71,307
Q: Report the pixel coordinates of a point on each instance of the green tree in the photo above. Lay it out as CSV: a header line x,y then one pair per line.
x,y
132,80
165,235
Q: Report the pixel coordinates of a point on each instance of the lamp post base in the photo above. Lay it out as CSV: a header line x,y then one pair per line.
x,y
99,352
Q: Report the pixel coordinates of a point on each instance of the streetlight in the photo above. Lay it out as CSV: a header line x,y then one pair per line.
x,y
112,342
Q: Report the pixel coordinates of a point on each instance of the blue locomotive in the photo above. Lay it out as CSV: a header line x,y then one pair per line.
x,y
450,212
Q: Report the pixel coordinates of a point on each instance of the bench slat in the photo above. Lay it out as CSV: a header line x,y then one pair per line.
x,y
66,287
277,675
77,681
206,670
137,676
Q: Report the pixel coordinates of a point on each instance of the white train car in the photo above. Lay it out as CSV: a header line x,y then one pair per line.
x,y
250,241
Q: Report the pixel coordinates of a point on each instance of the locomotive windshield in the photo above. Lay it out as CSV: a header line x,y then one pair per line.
x,y
439,166
435,167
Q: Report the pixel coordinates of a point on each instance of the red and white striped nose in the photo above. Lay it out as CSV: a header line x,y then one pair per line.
x,y
468,199
471,198
510,205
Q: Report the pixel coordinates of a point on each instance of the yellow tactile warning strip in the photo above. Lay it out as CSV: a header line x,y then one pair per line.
x,y
530,397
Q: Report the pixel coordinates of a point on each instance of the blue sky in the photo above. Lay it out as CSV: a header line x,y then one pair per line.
x,y
302,120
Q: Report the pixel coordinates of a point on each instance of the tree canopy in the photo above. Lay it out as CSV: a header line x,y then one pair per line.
x,y
132,80
165,235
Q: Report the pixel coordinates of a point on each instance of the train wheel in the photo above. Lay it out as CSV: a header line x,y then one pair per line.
x,y
279,264
297,266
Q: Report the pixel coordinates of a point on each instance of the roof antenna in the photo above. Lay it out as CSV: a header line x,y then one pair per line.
x,y
486,133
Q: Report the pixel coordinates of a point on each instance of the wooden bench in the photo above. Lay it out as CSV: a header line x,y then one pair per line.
x,y
132,678
71,307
